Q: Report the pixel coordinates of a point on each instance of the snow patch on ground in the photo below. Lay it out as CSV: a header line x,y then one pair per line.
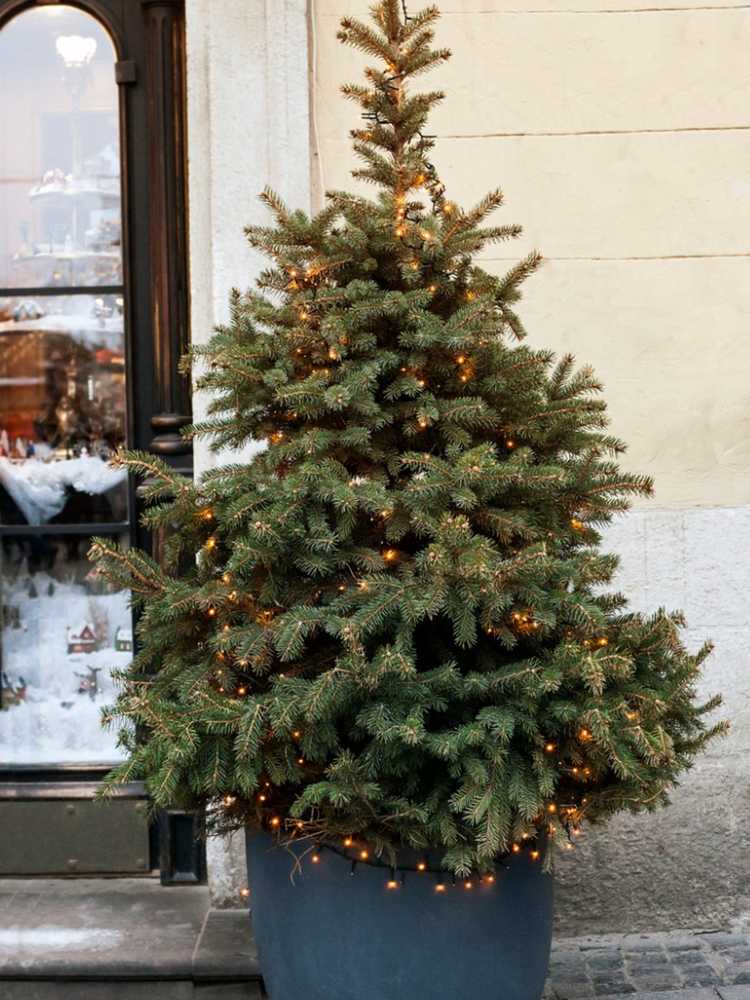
x,y
51,937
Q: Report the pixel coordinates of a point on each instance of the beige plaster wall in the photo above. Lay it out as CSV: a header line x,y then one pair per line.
x,y
620,133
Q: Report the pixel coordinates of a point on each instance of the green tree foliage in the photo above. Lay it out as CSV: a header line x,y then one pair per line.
x,y
392,625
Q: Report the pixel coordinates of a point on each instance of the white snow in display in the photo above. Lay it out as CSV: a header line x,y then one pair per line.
x,y
84,328
58,721
39,488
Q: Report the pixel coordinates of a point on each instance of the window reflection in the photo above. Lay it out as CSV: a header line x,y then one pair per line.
x,y
63,631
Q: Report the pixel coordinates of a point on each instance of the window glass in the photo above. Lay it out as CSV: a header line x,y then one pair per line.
x,y
62,386
60,222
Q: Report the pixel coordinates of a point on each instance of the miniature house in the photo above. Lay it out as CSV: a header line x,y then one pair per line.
x,y
82,639
124,640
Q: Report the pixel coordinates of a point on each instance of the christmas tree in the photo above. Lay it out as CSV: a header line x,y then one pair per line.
x,y
392,628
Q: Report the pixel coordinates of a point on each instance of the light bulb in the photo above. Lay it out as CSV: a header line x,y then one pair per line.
x,y
75,50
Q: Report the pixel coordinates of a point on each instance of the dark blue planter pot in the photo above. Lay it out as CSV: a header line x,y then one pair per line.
x,y
329,936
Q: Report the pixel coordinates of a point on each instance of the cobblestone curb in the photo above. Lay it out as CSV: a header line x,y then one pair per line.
x,y
704,966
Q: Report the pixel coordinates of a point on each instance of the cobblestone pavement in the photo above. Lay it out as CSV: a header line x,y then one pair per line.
x,y
702,966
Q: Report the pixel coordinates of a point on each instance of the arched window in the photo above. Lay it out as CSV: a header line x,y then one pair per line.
x,y
93,319
63,398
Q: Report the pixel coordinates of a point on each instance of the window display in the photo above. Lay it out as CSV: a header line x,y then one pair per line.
x,y
63,632
62,409
63,400
60,221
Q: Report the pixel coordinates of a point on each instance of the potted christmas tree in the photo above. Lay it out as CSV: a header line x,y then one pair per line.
x,y
385,645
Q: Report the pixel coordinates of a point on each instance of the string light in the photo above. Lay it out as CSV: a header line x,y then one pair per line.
x,y
275,822
364,855
510,443
348,842
576,525
534,855
390,555
315,859
468,885
244,893
421,866
391,884
584,735
550,747
440,887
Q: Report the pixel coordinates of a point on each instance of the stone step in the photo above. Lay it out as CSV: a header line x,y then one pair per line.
x,y
26,989
121,939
